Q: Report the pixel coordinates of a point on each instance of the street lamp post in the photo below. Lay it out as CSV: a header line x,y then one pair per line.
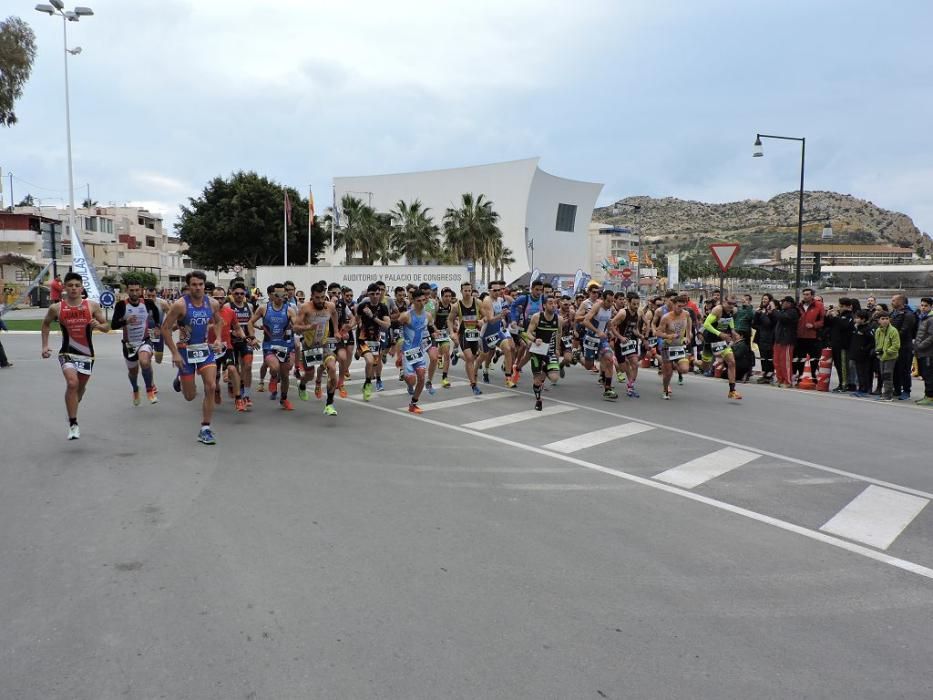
x,y
758,153
635,208
57,6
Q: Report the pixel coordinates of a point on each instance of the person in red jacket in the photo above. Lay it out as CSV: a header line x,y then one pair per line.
x,y
55,289
812,315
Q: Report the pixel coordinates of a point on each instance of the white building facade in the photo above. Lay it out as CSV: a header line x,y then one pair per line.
x,y
550,213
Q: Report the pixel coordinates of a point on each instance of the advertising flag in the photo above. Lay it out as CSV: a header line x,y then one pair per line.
x,y
84,266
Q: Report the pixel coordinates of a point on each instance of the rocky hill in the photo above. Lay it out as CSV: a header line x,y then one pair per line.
x,y
672,224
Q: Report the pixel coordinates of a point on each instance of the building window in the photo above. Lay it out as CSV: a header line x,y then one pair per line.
x,y
150,242
566,215
66,248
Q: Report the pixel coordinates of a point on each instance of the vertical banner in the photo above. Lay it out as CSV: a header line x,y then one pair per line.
x,y
578,281
673,270
84,266
535,274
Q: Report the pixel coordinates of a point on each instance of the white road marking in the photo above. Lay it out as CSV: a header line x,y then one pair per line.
x,y
388,392
462,401
750,448
597,437
700,470
815,535
517,417
876,516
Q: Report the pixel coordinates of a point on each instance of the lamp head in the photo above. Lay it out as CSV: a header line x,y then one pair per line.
x,y
57,4
84,11
71,16
758,152
47,9
75,51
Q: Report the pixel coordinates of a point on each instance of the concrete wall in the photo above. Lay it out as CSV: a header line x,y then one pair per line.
x,y
359,277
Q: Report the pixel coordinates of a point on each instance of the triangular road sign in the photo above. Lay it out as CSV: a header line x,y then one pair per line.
x,y
724,254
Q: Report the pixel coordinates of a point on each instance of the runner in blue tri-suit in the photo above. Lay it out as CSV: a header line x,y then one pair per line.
x,y
414,322
278,342
194,313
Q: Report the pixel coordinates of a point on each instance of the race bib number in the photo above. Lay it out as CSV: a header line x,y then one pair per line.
x,y
414,355
472,335
718,346
567,340
313,356
82,363
281,352
628,347
330,346
492,340
676,352
538,348
591,342
652,342
442,337
197,354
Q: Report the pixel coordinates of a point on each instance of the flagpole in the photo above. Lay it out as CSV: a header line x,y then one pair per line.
x,y
333,216
310,220
285,223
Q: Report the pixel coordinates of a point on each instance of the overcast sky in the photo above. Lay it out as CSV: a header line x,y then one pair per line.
x,y
649,97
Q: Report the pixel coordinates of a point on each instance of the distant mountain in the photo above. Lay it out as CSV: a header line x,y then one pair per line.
x,y
678,225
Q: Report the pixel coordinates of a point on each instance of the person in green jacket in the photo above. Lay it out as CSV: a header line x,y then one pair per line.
x,y
887,347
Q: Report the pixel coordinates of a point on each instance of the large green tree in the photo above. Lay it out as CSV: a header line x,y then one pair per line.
x,y
414,233
17,53
239,221
472,233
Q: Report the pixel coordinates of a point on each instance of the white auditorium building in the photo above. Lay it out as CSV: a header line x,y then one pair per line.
x,y
533,205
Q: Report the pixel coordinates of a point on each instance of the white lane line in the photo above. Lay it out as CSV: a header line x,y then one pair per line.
x,y
730,443
700,470
897,562
517,417
463,401
597,437
392,392
876,516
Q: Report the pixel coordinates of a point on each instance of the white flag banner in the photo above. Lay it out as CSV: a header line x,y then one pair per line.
x,y
673,270
84,266
535,274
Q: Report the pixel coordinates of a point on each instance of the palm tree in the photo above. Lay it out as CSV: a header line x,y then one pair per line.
x,y
414,235
351,235
472,230
382,233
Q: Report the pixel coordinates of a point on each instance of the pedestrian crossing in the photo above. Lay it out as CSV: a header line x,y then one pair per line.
x,y
876,516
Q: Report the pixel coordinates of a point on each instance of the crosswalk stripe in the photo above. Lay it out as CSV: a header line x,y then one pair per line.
x,y
597,437
463,401
518,417
396,392
702,469
877,516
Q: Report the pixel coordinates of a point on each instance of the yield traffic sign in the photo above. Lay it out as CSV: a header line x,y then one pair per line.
x,y
724,254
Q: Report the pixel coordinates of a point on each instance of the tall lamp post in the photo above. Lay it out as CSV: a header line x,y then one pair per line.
x,y
58,7
758,153
635,208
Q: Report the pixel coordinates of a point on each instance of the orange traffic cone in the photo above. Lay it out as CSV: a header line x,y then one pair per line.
x,y
806,379
826,370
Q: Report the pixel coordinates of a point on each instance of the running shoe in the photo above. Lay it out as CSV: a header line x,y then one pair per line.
x,y
859,394
477,391
735,395
445,382
136,401
414,408
152,395
318,392
74,432
486,377
346,374
261,386
303,393
342,390
680,380
176,383
620,377
455,358
562,372
239,405
367,391
329,410
379,385
430,387
610,395
286,405
206,435
666,396
516,375
509,383
925,401
538,405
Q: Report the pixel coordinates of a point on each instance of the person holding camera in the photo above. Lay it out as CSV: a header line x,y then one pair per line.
x,y
763,325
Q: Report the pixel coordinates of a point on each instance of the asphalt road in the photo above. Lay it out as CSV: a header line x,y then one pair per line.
x,y
777,547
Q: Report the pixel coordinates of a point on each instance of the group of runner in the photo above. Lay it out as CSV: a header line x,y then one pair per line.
x,y
212,333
